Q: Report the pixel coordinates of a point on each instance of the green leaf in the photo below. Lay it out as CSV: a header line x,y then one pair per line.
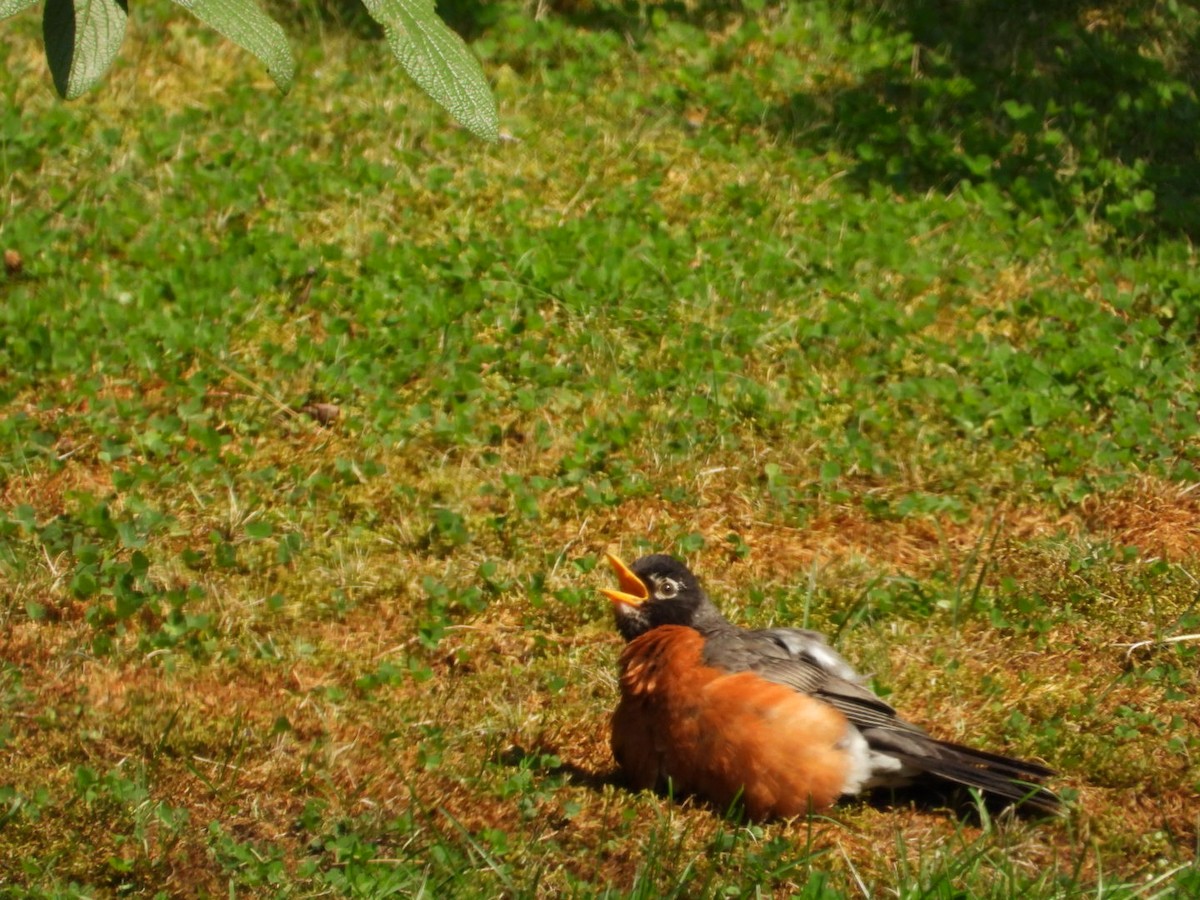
x,y
82,39
258,530
251,29
439,62
12,7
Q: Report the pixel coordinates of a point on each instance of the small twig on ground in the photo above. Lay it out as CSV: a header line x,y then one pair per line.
x,y
1138,645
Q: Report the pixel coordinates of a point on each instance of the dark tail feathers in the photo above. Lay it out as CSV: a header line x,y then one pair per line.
x,y
1015,781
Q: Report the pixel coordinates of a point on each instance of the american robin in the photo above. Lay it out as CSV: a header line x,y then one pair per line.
x,y
773,716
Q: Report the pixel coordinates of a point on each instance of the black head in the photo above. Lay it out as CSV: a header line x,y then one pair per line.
x,y
658,590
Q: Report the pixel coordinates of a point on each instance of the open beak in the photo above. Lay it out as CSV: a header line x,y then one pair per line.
x,y
632,592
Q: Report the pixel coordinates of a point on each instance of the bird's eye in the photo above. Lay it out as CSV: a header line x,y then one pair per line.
x,y
667,589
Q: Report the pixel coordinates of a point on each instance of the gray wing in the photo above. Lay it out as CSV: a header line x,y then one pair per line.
x,y
808,664
803,661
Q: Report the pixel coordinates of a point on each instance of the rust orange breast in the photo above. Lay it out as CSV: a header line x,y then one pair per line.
x,y
722,735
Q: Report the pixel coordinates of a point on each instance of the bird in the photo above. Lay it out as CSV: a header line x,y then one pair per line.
x,y
773,719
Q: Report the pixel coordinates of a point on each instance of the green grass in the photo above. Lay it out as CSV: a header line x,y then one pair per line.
x,y
317,416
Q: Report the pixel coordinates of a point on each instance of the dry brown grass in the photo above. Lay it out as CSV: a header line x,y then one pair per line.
x,y
1158,518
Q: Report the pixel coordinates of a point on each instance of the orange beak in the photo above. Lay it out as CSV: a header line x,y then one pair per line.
x,y
633,591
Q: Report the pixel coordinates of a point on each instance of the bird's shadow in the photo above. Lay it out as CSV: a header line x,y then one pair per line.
x,y
936,798
931,798
547,763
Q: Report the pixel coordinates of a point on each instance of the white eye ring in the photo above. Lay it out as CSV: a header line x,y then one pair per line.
x,y
667,589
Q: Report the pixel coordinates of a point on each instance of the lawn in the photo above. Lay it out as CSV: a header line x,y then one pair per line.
x,y
317,416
